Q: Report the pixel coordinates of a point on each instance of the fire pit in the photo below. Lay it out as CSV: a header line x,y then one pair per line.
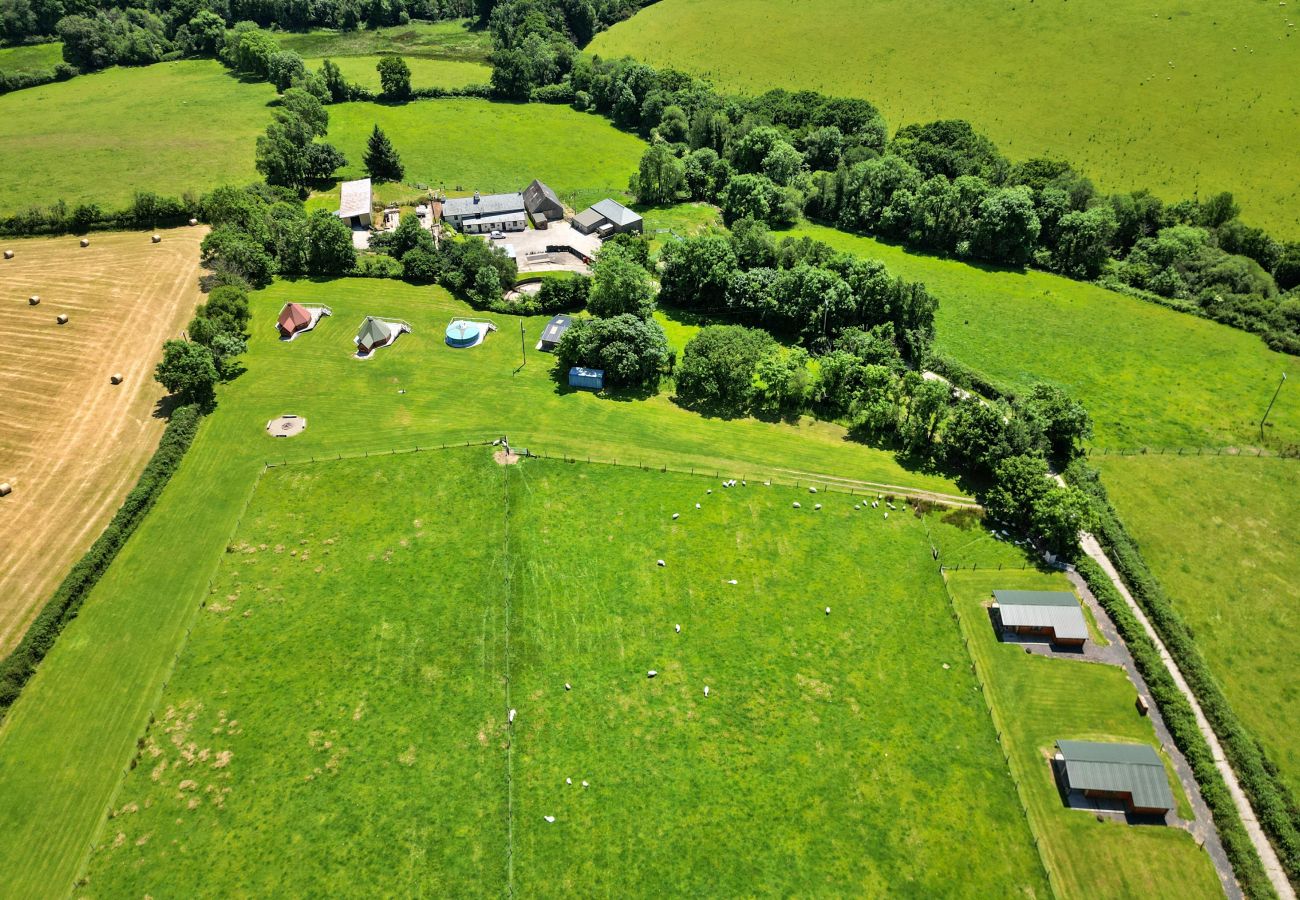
x,y
286,426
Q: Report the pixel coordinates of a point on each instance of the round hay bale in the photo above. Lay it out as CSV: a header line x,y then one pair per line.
x,y
9,254
34,300
115,378
85,242
193,222
5,488
61,318
157,238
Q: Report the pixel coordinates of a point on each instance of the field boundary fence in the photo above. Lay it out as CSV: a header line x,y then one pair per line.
x,y
831,484
1290,451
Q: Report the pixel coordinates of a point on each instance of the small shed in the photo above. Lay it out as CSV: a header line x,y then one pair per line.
x,y
293,319
355,203
588,379
1133,773
553,331
1055,615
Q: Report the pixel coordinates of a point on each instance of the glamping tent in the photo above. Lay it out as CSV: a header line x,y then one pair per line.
x,y
376,333
293,318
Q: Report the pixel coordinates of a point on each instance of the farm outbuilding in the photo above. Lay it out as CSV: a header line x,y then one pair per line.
x,y
355,203
588,379
1055,615
553,331
608,217
486,212
543,204
1132,773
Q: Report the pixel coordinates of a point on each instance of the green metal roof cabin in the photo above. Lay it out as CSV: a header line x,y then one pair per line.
x,y
1133,773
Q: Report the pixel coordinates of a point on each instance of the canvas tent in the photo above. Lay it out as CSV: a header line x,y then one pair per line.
x,y
1052,614
1133,773
293,318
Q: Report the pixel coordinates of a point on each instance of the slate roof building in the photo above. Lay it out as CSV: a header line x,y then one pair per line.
x,y
1052,614
606,218
487,212
1133,773
553,331
543,204
355,203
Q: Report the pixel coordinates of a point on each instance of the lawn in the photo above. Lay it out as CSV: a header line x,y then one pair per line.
x,y
1035,702
339,717
1220,533
31,57
1150,376
167,128
66,741
1182,100
464,145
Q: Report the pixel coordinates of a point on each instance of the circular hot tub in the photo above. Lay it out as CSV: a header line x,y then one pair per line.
x,y
461,333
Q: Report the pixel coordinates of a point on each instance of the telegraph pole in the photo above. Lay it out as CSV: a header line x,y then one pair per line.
x,y
1270,407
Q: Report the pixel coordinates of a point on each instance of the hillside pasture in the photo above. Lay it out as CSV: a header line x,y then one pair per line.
x,y
464,145
1150,376
449,40
73,444
1037,701
167,128
65,743
425,73
871,766
31,57
1183,100
1220,534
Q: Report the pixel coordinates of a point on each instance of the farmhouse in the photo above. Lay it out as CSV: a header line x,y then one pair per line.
x,y
608,217
376,333
355,203
553,331
480,214
1052,614
1129,772
542,204
293,319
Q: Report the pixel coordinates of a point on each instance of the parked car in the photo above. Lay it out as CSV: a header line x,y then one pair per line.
x,y
497,235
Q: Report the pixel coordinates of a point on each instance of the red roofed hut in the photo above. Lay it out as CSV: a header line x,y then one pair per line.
x,y
293,319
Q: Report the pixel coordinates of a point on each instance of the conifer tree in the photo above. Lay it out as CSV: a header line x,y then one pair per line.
x,y
382,161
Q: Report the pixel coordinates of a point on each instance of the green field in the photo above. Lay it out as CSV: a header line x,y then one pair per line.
x,y
1150,376
31,57
1187,99
168,128
1037,701
866,766
464,145
65,743
451,40
425,73
1220,533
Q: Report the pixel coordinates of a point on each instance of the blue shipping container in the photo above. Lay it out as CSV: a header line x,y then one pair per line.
x,y
592,379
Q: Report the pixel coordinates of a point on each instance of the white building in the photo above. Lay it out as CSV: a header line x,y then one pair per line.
x,y
483,213
355,203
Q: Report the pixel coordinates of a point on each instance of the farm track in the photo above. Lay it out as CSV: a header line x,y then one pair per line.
x,y
73,443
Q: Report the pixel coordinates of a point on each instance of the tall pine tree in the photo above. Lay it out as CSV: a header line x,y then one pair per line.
x,y
382,161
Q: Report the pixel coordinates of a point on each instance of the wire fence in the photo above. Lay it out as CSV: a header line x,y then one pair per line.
x,y
1289,451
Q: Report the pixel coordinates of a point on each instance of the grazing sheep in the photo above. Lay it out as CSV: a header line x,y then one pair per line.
x,y
709,491
675,515
651,674
567,686
568,781
679,628
660,563
706,690
817,506
812,490
875,504
828,610
697,506
796,504
511,717
549,819
857,506
733,581
945,665
886,516
584,784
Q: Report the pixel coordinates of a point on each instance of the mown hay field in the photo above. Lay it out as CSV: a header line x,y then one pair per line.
x,y
167,128
1220,534
1181,99
64,744
1150,376
73,443
340,713
1037,701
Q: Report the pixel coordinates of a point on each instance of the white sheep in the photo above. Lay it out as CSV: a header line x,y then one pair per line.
x,y
733,581
568,781
567,686
697,506
511,717
886,516
817,506
828,610
679,628
675,515
706,690
584,784
651,674
549,819
812,490
796,504
660,563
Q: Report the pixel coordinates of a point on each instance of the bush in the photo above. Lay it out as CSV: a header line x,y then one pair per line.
x,y
717,368
63,606
633,352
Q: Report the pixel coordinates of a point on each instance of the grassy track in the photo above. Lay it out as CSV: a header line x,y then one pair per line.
x,y
1220,533
168,128
30,57
1150,376
65,742
1179,99
1037,701
870,766
468,144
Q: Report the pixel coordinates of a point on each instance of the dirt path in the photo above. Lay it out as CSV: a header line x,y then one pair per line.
x,y
73,444
1272,865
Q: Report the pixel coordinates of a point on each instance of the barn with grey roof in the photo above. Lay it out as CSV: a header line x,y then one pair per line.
x,y
606,218
1133,773
1055,615
543,204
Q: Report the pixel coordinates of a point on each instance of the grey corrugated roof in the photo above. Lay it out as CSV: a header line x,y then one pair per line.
x,y
588,218
538,194
497,219
555,328
1043,609
487,205
1132,768
354,198
616,212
